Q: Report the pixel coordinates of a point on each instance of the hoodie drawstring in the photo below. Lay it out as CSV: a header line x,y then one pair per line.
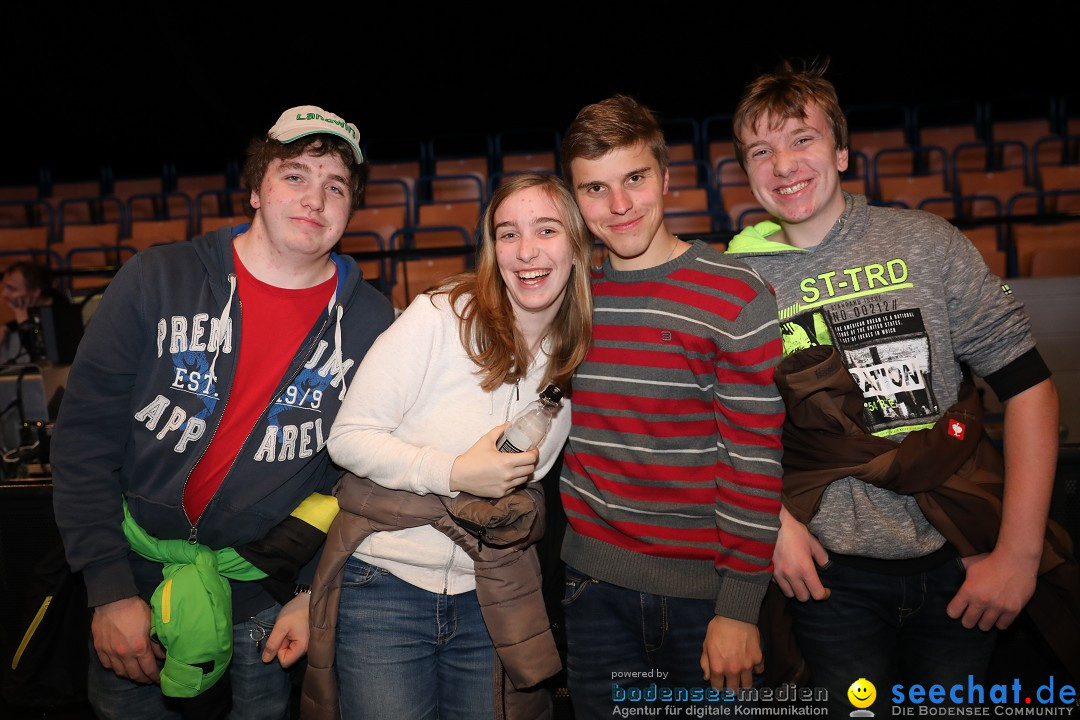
x,y
339,361
221,323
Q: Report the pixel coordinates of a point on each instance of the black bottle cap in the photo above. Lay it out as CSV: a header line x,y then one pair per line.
x,y
552,395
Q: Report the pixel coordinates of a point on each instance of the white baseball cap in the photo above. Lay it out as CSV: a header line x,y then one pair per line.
x,y
305,120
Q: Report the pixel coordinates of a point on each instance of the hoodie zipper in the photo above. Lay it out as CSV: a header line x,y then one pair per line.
x,y
510,398
454,548
193,533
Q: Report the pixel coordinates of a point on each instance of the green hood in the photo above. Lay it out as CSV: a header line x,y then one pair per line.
x,y
754,240
191,610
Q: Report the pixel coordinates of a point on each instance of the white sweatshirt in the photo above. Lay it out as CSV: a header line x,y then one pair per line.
x,y
413,407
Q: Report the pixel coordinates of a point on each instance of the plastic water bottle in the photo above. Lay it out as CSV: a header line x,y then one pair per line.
x,y
530,427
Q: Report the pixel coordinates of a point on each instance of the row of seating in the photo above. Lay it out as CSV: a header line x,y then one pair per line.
x,y
456,199
405,261
406,264
1002,182
150,218
415,259
410,260
708,142
1036,167
873,128
946,124
391,208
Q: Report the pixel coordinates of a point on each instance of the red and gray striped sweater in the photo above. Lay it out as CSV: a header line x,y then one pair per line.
x,y
671,479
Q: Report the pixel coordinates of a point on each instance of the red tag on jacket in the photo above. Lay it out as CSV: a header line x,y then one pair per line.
x,y
956,429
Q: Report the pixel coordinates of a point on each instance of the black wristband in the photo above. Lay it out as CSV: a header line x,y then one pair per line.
x,y
301,588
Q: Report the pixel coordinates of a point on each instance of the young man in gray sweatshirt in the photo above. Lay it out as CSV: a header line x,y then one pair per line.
x,y
906,300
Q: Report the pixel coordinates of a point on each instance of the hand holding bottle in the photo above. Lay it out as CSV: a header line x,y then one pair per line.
x,y
485,472
531,425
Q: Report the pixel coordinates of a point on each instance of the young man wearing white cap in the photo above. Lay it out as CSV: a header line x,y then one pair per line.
x,y
202,395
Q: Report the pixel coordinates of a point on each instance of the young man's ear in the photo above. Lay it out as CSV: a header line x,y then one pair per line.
x,y
842,160
254,200
667,175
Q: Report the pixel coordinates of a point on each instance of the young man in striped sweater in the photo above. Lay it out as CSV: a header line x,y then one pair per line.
x,y
672,470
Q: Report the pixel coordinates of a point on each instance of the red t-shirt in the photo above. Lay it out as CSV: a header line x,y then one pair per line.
x,y
275,321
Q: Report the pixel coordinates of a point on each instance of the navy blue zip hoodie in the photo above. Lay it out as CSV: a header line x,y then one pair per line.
x,y
146,392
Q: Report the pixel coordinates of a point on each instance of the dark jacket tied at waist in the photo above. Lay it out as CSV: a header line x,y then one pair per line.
x,y
952,470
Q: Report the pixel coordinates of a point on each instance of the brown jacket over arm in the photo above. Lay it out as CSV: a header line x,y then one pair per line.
x,y
507,586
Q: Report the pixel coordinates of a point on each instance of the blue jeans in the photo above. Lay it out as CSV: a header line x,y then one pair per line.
x,y
404,652
613,634
260,691
887,629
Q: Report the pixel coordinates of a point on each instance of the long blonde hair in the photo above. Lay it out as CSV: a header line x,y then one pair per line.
x,y
488,328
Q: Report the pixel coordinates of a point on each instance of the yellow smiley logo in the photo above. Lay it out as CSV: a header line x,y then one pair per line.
x,y
862,693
